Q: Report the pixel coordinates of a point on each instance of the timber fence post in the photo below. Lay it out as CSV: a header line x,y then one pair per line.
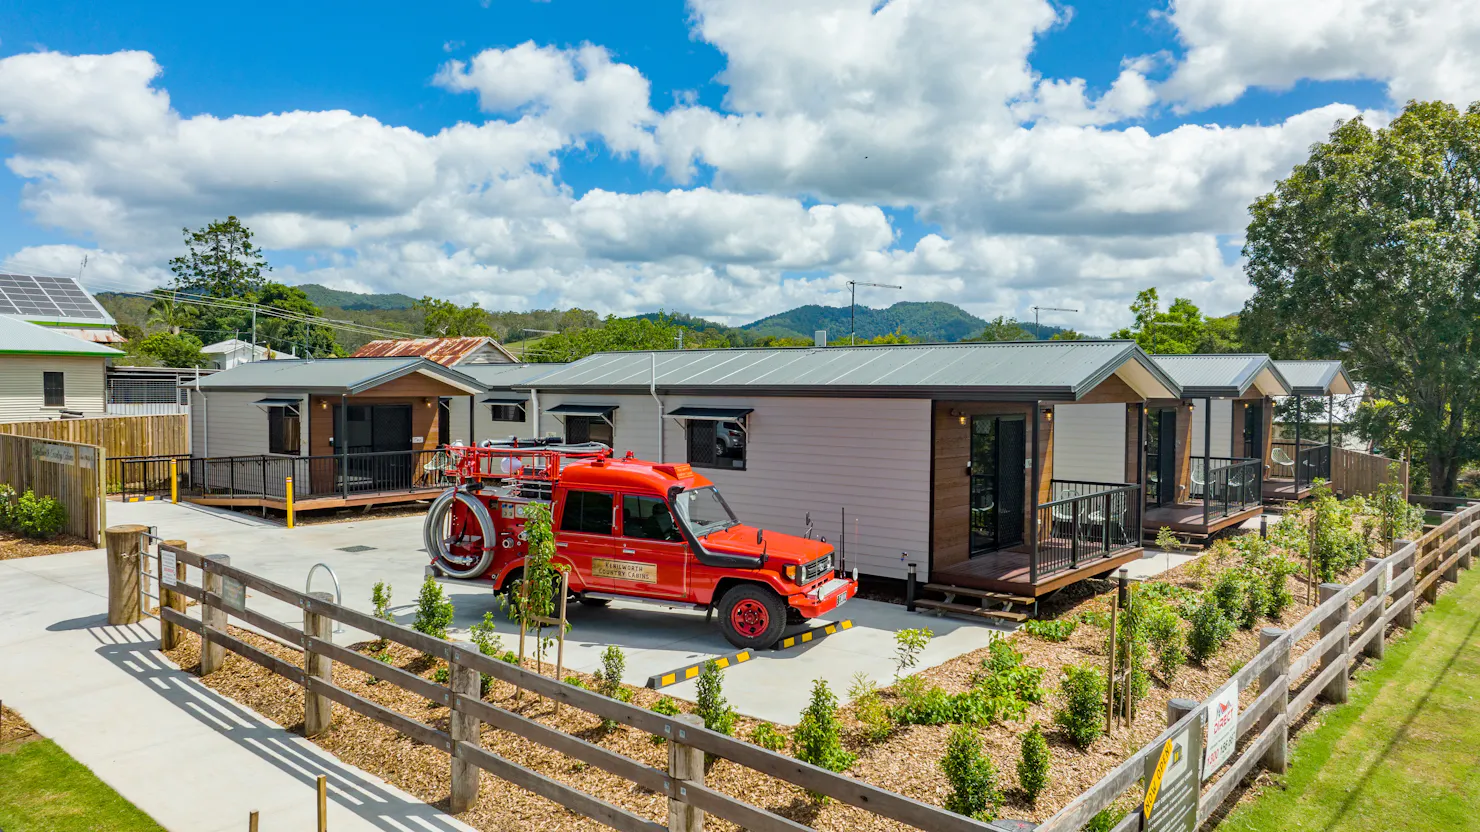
x,y
466,777
1432,593
169,634
125,545
1336,654
685,765
1404,617
1178,708
1466,535
1376,645
212,617
1276,757
318,709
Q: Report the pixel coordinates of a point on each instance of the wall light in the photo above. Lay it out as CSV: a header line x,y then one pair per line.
x,y
961,418
323,404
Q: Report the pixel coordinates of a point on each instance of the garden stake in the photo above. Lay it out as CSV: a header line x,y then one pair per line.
x,y
1110,678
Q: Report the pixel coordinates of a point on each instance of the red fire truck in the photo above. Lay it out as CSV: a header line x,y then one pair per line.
x,y
630,530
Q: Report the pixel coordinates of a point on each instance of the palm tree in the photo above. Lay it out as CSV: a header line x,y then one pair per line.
x,y
168,313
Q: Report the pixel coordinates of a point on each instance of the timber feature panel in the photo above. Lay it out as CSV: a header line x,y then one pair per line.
x,y
70,472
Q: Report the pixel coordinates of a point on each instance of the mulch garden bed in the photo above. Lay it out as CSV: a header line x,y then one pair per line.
x,y
13,546
13,729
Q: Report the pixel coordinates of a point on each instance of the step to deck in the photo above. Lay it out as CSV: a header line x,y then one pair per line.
x,y
967,609
984,594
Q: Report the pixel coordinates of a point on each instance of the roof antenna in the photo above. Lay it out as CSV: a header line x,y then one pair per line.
x,y
81,267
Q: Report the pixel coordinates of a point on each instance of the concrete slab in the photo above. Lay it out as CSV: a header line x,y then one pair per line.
x,y
775,686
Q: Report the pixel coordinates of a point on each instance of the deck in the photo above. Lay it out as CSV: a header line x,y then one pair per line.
x,y
1283,489
1008,571
1187,518
312,503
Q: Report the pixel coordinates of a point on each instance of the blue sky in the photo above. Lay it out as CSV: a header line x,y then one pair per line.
x,y
732,212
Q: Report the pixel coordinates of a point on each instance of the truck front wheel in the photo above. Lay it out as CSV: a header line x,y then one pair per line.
x,y
751,616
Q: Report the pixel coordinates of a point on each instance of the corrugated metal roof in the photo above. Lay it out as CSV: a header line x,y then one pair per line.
x,y
350,376
495,376
445,351
1316,378
18,337
1219,376
1056,370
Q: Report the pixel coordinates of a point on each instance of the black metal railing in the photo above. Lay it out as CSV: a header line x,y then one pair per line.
x,y
138,476
1304,465
1226,486
265,476
1084,522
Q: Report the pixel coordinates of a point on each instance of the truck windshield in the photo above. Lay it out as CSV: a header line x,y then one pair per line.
x,y
704,511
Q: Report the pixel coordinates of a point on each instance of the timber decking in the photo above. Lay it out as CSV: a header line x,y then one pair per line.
x,y
309,504
1284,489
1008,572
1187,518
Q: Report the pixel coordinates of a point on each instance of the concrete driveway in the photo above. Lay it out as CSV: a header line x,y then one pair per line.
x,y
774,686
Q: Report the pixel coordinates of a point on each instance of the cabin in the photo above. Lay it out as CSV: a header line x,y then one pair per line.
x,y
464,352
348,431
1303,455
1207,452
937,460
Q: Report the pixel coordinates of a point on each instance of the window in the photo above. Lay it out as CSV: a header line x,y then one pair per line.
x,y
648,518
588,429
716,444
507,412
53,390
587,511
704,510
282,430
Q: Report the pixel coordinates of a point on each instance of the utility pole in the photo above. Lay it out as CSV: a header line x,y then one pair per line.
x,y
1038,331
853,302
524,348
253,357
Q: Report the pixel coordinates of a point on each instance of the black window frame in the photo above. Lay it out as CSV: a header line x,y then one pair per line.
x,y
674,534
578,429
581,521
53,397
278,432
507,412
701,438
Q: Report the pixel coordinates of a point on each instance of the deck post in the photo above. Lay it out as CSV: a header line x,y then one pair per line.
x,y
1036,479
1330,432
1295,477
341,443
1207,458
1275,758
1336,654
1140,513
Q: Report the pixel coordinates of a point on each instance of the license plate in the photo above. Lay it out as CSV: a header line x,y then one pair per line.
x,y
842,601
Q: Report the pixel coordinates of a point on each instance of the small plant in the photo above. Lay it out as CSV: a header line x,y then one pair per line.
x,y
380,599
384,657
818,735
488,644
609,680
666,707
40,518
907,647
576,682
1083,714
1058,629
7,507
1167,540
1104,820
433,611
1095,618
972,776
1210,630
766,736
1034,764
1229,591
442,675
869,709
920,705
710,703
1168,645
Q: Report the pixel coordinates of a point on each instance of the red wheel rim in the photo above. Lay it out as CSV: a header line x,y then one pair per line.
x,y
750,618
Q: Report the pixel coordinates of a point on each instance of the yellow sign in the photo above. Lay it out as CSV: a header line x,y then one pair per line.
x,y
1155,785
625,570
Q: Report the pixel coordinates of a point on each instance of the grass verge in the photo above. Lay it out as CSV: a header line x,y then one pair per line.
x,y
42,789
1400,755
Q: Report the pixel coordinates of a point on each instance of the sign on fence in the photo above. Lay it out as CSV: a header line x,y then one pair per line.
x,y
166,566
1222,719
233,594
1172,781
49,452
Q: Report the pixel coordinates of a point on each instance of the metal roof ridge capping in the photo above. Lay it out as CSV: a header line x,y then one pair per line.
x,y
346,375
1219,375
1317,377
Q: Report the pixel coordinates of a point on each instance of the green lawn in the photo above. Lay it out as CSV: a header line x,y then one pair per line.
x,y
44,790
1402,754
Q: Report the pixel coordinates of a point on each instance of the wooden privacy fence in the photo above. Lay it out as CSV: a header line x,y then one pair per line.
x,y
70,472
1289,679
221,595
118,436
1355,472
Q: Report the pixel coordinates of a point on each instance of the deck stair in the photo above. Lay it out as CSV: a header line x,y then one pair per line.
x,y
996,605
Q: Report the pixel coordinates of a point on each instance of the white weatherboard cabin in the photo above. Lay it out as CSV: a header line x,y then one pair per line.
x,y
45,374
940,457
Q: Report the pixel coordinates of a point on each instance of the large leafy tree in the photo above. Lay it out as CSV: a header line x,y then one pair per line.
x,y
1002,328
220,260
1180,329
618,335
445,319
1368,251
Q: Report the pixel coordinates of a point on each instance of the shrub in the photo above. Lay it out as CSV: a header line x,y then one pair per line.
x,y
575,682
1104,820
818,736
710,703
1132,649
1256,598
442,675
1210,630
1336,543
868,708
36,517
972,776
609,680
1168,646
907,647
433,610
1167,540
666,707
1034,764
1058,629
1083,715
1277,571
920,705
1230,593
7,507
380,598
487,643
1096,618
766,736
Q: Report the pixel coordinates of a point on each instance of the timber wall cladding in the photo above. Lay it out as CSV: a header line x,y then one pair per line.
x,y
69,472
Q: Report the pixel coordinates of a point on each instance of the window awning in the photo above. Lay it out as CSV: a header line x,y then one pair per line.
x,y
515,400
279,403
711,414
602,410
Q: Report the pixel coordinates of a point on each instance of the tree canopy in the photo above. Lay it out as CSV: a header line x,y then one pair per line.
x,y
220,260
1368,251
445,319
620,334
1180,329
1002,328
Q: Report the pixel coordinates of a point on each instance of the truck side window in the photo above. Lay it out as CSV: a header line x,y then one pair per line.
x,y
648,518
587,511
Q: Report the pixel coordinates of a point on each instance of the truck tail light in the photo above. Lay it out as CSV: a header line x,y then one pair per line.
x,y
791,572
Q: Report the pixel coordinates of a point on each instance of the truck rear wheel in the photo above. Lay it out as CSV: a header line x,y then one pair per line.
x,y
751,617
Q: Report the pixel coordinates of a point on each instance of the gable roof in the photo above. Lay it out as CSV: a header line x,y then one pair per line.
x,y
331,376
1223,376
1316,378
445,351
1000,371
504,376
20,338
236,345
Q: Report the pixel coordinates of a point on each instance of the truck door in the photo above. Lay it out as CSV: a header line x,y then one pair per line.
x,y
586,536
653,557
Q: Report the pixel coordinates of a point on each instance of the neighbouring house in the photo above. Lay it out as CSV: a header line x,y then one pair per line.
x,y
349,431
149,391
223,355
59,304
46,374
937,459
1303,453
463,353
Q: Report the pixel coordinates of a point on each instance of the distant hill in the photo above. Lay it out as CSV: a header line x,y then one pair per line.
x,y
935,321
325,297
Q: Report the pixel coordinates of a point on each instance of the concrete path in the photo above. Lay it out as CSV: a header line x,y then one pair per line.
x,y
191,759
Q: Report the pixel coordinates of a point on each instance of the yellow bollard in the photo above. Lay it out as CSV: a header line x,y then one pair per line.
x,y
174,481
289,485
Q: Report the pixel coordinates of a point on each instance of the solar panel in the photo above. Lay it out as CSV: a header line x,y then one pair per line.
x,y
52,298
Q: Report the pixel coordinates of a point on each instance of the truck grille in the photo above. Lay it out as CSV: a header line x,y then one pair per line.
x,y
816,569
